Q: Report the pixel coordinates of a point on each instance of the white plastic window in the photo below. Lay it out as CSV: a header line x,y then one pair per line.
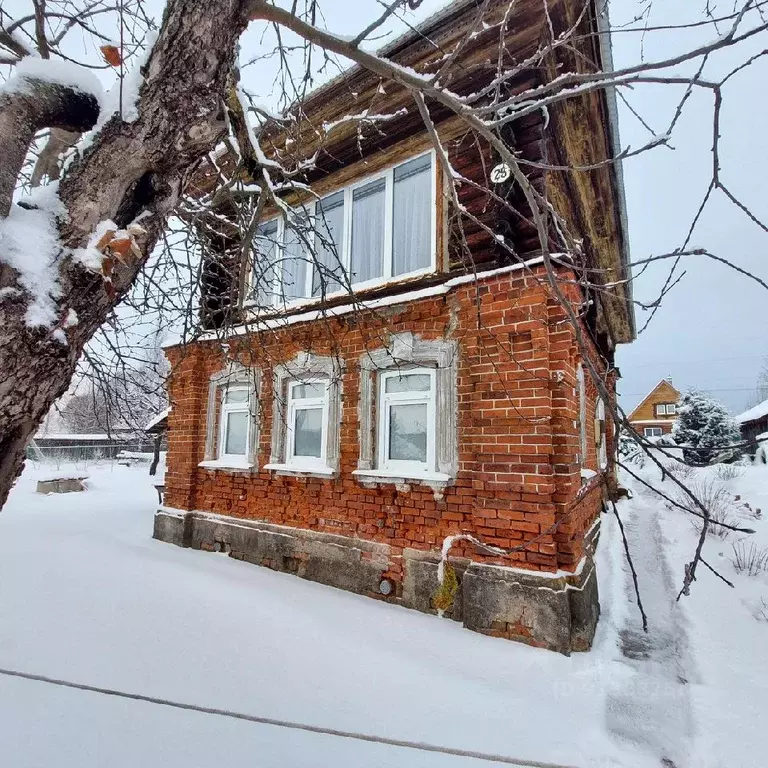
x,y
382,227
652,432
600,425
406,434
582,393
235,422
307,423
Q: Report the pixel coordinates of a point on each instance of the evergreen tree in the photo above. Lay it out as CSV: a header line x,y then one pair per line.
x,y
705,429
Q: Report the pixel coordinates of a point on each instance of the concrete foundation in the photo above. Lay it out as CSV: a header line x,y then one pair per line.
x,y
61,485
555,611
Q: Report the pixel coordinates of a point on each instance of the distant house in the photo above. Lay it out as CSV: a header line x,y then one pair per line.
x,y
656,414
753,424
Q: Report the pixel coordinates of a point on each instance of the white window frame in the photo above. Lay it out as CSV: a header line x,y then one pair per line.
x,y
652,431
602,434
386,400
305,368
306,403
671,409
582,395
388,174
225,409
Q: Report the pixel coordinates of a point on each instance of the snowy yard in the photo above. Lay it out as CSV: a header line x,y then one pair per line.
x,y
87,596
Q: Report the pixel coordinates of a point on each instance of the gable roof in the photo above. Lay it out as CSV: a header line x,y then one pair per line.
x,y
752,414
663,384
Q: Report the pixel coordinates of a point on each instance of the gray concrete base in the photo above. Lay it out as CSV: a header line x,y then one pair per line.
x,y
555,611
61,485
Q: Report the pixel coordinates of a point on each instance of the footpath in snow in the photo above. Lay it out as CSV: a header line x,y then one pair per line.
x,y
86,595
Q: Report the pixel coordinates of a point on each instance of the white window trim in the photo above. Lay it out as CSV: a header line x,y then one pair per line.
x,y
649,431
405,349
346,256
671,409
306,403
234,375
306,367
399,467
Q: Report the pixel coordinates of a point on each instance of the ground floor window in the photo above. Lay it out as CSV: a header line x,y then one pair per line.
x,y
408,409
232,420
407,420
306,415
307,423
652,432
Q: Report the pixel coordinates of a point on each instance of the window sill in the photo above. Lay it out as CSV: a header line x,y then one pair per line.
x,y
382,476
227,465
297,470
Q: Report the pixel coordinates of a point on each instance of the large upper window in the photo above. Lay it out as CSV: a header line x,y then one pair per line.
x,y
666,409
370,232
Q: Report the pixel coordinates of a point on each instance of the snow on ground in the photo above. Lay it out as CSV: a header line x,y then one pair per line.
x,y
86,595
717,638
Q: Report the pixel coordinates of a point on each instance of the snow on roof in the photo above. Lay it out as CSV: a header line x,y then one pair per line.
x,y
153,422
756,412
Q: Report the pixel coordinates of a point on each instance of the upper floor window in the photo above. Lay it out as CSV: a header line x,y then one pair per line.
x,y
380,228
666,409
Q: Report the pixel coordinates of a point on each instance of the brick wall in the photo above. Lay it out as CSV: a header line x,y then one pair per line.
x,y
518,439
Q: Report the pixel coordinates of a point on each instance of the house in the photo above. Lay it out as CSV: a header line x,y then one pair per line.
x,y
754,427
432,396
655,415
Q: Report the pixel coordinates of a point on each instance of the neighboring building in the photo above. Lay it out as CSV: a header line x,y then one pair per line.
x,y
753,424
443,393
656,414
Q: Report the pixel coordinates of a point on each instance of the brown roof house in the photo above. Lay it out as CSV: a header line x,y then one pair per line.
x,y
657,411
429,395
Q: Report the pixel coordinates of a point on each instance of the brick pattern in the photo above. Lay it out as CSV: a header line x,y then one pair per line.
x,y
518,437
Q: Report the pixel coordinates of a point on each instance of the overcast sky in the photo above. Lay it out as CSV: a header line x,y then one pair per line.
x,y
710,330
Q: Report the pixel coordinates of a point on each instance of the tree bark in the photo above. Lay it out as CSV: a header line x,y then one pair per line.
x,y
132,171
25,112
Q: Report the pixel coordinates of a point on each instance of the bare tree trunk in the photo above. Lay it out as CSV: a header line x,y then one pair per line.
x,y
132,171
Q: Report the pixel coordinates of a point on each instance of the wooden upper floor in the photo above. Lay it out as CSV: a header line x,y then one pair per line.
x,y
372,208
660,404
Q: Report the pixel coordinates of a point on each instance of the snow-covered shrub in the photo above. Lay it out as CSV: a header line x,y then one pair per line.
x,y
705,429
630,451
751,560
728,472
680,470
715,498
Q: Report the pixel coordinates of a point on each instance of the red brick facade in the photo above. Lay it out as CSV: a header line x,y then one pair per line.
x,y
519,476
